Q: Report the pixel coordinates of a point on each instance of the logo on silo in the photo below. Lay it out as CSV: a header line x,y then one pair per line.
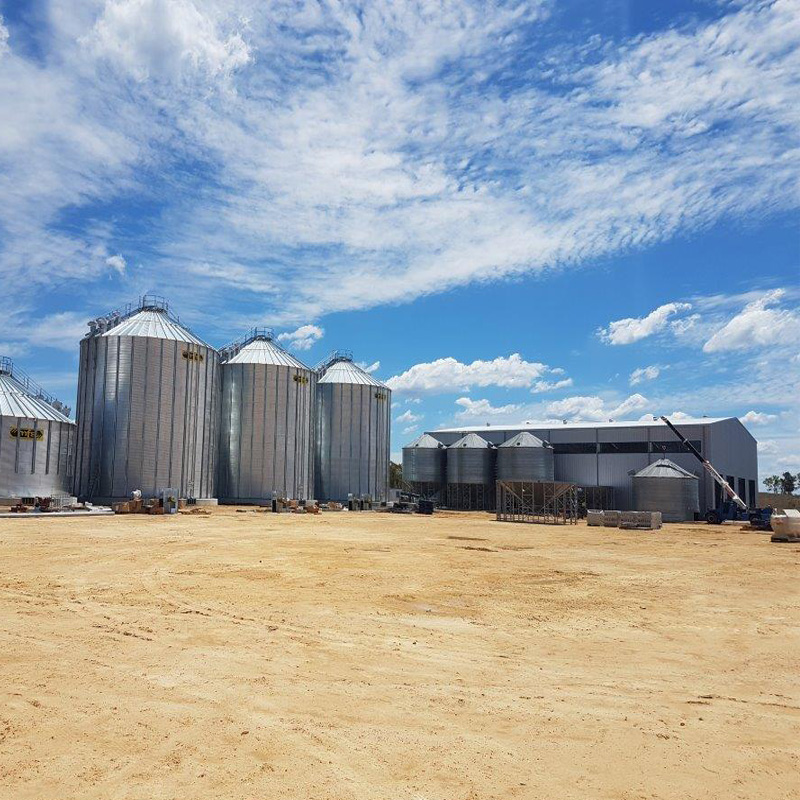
x,y
300,379
190,355
26,433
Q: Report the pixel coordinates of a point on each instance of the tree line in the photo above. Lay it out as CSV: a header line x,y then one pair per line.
x,y
782,484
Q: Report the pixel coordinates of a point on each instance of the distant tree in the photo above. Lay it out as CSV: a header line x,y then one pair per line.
x,y
395,475
787,482
769,483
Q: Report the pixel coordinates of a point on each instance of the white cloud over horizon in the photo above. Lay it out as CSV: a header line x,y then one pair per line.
x,y
445,375
642,374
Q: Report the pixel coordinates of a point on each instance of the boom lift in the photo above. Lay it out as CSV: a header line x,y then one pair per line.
x,y
731,506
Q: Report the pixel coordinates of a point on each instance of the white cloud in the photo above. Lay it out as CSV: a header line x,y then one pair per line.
x,y
768,447
758,418
3,38
164,39
641,374
117,263
408,416
344,168
449,375
541,387
758,325
410,429
591,408
303,338
61,331
483,409
373,367
632,329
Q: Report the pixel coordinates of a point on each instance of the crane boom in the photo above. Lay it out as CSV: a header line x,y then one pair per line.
x,y
708,466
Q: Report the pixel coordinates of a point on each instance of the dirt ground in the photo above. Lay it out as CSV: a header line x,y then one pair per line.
x,y
251,655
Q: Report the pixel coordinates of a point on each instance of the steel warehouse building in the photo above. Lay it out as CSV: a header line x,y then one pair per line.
x,y
609,453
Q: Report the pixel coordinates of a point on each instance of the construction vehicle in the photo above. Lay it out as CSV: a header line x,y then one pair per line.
x,y
731,506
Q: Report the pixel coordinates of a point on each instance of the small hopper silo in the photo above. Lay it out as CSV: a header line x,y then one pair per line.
x,y
471,473
525,458
148,403
664,486
425,467
266,431
352,432
36,438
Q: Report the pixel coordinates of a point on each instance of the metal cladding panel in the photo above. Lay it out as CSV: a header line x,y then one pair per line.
x,y
471,465
35,467
567,435
576,468
425,464
146,417
266,431
525,464
352,441
632,434
614,470
676,498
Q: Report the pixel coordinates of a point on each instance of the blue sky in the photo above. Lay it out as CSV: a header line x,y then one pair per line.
x,y
539,210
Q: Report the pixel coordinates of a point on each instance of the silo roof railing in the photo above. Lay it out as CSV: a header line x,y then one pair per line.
x,y
333,357
21,394
149,316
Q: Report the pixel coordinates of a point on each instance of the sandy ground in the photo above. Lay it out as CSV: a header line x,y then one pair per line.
x,y
249,655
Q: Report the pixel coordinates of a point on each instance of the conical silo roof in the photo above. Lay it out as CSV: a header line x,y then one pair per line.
x,y
425,442
524,439
155,323
664,468
344,370
471,441
21,398
263,350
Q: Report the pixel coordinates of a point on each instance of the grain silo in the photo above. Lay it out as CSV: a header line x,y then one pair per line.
x,y
525,458
664,486
471,473
425,467
266,432
148,403
36,438
352,425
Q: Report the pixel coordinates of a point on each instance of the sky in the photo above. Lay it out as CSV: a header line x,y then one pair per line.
x,y
508,211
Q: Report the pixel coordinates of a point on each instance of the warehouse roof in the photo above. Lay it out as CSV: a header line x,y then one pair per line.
x,y
560,425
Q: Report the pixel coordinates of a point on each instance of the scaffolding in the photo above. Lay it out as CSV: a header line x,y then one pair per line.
x,y
550,502
470,496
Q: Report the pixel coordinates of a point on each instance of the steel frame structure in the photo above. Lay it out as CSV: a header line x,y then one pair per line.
x,y
550,502
470,497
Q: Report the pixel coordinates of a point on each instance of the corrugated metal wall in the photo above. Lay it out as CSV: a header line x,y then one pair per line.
x,y
147,417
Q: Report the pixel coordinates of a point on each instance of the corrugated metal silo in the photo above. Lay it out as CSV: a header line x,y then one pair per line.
x,y
664,486
425,466
525,458
471,473
148,404
353,431
36,438
266,431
